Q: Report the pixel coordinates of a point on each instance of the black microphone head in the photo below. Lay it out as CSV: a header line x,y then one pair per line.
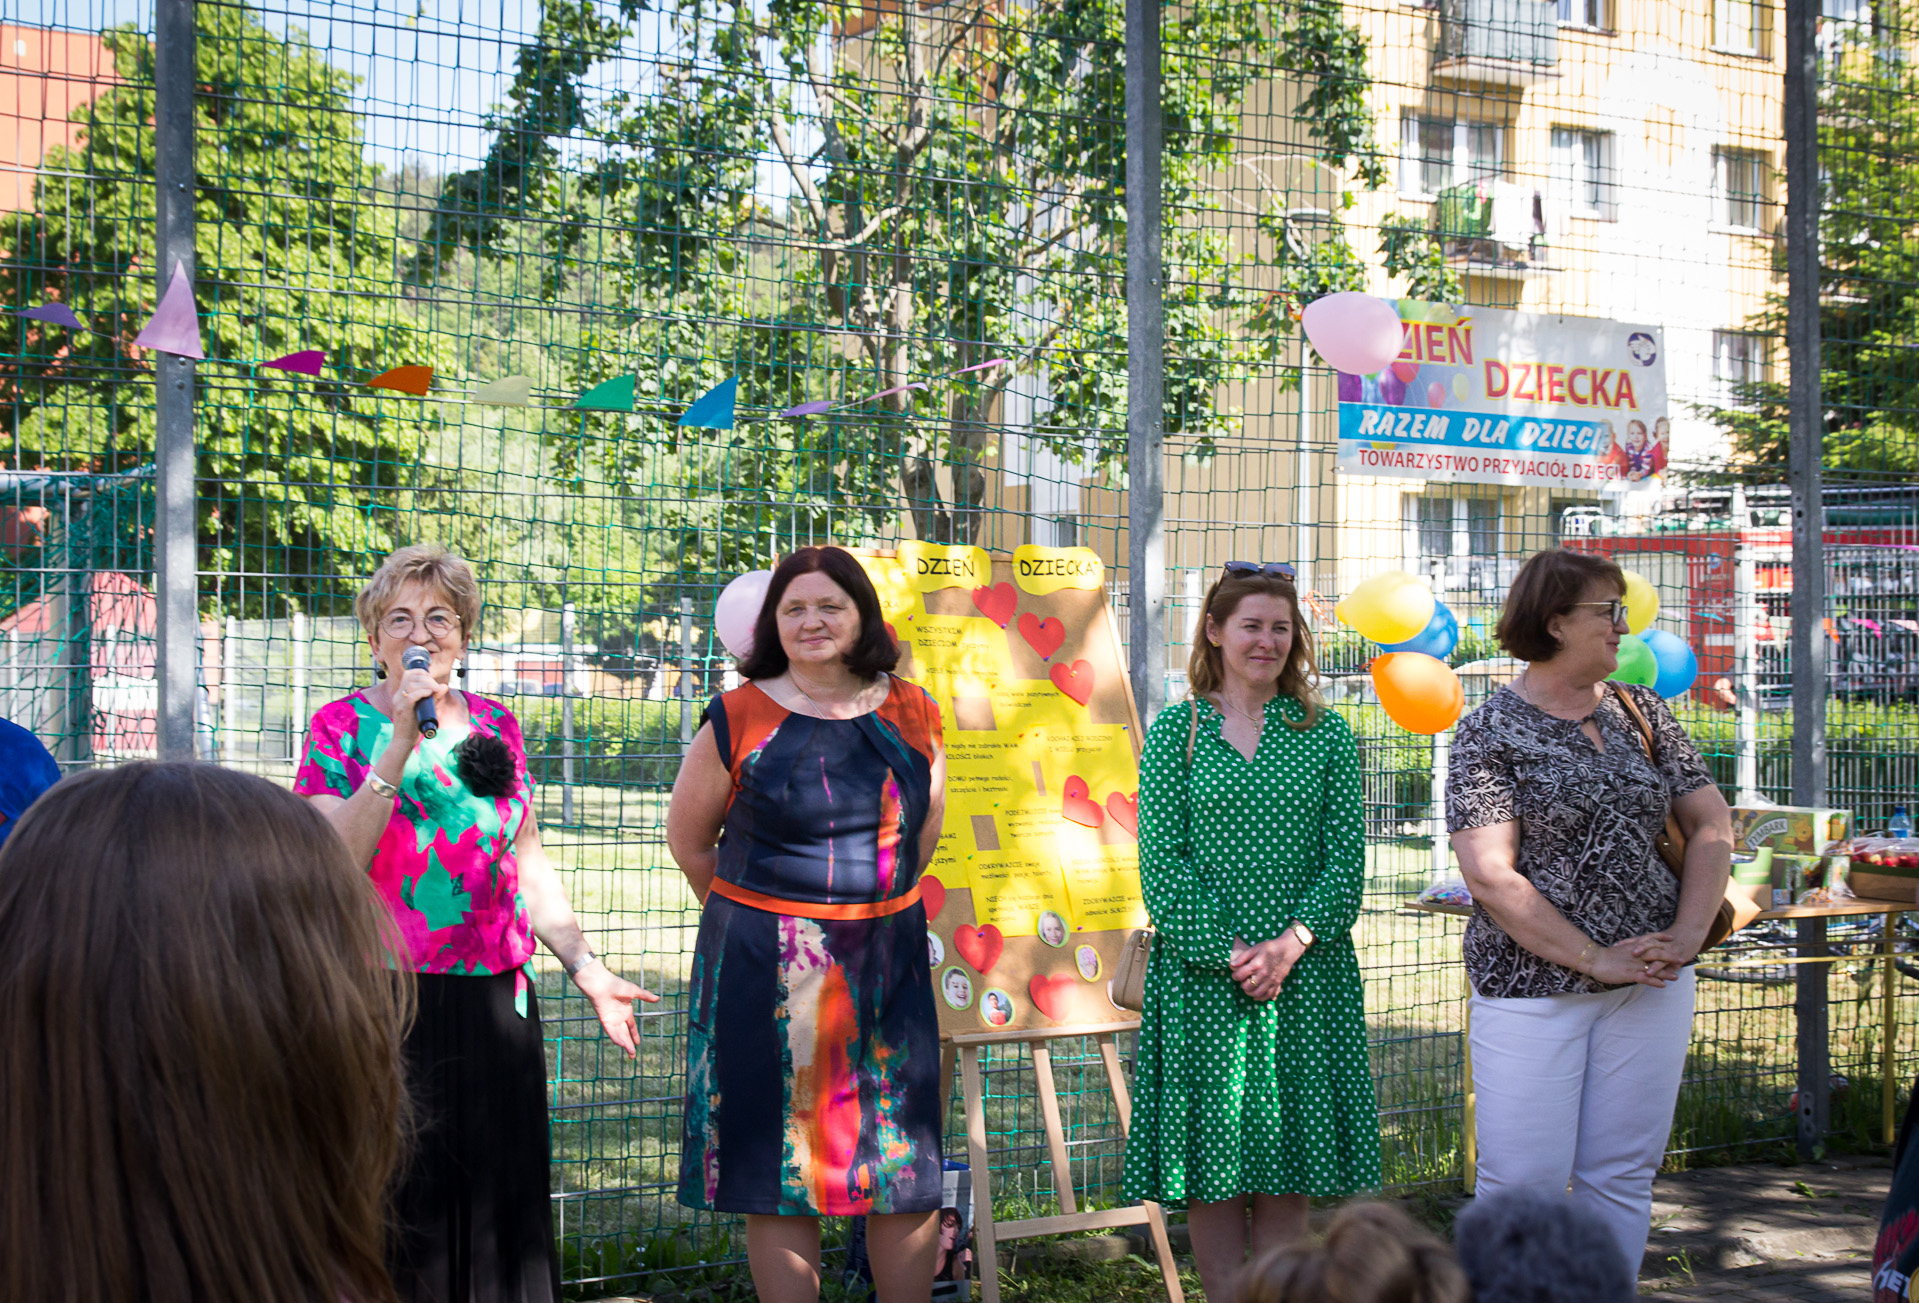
x,y
416,658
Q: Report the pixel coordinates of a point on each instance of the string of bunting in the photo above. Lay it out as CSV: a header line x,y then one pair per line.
x,y
175,328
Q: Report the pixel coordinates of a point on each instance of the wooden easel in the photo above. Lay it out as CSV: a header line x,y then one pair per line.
x,y
987,1232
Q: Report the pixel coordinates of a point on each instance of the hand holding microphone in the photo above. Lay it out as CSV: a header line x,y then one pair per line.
x,y
419,658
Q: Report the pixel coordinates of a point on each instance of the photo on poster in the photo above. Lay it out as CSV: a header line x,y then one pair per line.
x,y
956,988
1052,928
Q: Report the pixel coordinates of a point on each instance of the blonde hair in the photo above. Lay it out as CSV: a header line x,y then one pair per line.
x,y
425,563
1206,668
1372,1253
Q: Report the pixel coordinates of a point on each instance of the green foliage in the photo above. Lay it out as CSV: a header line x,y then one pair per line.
x,y
1869,268
289,257
1413,248
968,187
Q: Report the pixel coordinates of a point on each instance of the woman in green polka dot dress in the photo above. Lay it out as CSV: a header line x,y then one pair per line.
x,y
1253,1091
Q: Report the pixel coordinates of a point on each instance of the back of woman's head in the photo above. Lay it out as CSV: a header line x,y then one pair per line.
x,y
1372,1253
1523,1247
200,1054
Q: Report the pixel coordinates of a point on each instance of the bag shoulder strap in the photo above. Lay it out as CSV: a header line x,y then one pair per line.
x,y
1631,707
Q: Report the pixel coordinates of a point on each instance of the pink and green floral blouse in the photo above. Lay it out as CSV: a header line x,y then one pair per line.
x,y
445,864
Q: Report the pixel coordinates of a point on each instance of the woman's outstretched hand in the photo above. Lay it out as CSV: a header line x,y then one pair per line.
x,y
613,997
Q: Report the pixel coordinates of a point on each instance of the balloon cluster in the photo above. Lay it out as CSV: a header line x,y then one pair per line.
x,y
1418,690
1649,656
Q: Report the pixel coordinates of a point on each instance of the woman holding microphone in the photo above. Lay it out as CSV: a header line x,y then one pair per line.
x,y
445,827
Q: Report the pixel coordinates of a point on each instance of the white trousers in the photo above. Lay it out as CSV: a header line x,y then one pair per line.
x,y
1578,1090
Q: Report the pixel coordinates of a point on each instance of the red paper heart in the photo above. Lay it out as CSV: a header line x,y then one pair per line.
x,y
979,946
997,603
1043,636
1406,371
1125,811
1075,680
1077,805
932,894
1053,994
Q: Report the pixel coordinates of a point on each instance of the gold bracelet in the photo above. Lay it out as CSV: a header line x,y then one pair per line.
x,y
1591,949
381,788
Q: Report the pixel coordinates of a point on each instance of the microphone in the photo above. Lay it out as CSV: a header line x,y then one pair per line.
x,y
419,658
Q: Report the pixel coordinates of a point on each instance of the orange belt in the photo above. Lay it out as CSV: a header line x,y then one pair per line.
x,y
801,909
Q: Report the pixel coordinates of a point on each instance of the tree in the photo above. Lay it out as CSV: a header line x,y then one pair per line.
x,y
1868,271
965,201
298,478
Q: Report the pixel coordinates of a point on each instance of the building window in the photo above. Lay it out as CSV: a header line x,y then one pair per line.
x,y
1738,357
1582,172
1739,26
1437,153
1582,13
1739,185
1455,542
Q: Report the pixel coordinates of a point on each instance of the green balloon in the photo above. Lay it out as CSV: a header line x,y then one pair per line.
x,y
1637,664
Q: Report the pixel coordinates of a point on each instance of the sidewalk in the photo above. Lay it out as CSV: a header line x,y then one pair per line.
x,y
1788,1234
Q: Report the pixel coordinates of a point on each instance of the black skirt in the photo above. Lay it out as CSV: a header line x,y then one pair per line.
x,y
474,1221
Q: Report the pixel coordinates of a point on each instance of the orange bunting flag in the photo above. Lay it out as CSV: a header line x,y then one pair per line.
x,y
415,380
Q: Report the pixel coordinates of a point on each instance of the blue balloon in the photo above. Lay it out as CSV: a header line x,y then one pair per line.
x,y
1678,667
1437,639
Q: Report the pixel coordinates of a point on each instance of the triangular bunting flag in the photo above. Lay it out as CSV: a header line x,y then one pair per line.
x,y
615,395
58,314
307,362
175,326
809,409
713,410
507,391
415,380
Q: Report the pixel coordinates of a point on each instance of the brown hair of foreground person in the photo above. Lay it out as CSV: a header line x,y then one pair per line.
x,y
1372,1253
199,1051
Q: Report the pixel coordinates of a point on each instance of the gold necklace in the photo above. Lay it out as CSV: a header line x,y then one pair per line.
x,y
1259,719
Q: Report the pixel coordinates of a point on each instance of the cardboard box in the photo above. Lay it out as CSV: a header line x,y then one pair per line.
x,y
1788,829
1884,869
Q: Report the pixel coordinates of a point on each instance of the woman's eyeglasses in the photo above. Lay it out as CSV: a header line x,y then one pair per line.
x,y
438,623
1276,569
1615,610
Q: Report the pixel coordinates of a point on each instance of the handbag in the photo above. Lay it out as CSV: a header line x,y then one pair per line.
x,y
1129,974
1670,842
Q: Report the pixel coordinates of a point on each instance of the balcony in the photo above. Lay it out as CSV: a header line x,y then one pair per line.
x,y
1498,42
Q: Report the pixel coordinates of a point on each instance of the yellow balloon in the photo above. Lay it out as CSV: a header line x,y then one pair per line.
x,y
1462,387
1642,602
1388,608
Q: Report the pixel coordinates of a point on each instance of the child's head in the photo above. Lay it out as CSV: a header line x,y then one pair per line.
x,y
1635,434
1372,1253
1515,1247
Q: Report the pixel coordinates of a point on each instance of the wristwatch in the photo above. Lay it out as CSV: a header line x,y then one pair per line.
x,y
1304,933
579,965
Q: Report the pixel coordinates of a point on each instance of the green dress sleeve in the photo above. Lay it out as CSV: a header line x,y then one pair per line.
x,y
1189,915
1331,905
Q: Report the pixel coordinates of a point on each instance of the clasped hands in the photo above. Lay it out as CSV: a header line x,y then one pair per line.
x,y
1261,969
1650,960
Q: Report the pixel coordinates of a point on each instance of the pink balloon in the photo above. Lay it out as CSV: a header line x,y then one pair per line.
x,y
1435,394
1354,332
738,609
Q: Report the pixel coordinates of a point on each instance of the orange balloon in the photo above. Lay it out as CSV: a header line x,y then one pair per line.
x,y
1420,693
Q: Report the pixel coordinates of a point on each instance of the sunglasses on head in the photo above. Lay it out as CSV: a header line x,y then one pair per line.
x,y
1276,569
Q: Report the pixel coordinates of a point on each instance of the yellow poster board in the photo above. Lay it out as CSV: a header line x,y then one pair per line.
x,y
1035,884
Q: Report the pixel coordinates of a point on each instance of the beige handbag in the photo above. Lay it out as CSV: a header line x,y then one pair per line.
x,y
1129,975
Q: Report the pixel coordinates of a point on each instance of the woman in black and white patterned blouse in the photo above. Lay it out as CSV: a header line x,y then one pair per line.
x,y
1580,937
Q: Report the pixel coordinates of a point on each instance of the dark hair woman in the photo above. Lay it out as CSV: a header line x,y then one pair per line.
x,y
1252,1090
201,1049
806,807
1580,937
445,828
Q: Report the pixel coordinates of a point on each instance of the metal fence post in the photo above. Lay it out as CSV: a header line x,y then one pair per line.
x,y
175,561
1145,365
684,688
566,713
1745,657
1808,533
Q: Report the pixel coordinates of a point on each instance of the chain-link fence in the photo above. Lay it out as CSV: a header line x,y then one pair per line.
x,y
845,207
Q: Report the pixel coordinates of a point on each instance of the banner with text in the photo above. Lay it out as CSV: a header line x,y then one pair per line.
x,y
1490,396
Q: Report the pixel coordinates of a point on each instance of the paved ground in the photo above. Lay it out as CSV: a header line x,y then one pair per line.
x,y
1787,1234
